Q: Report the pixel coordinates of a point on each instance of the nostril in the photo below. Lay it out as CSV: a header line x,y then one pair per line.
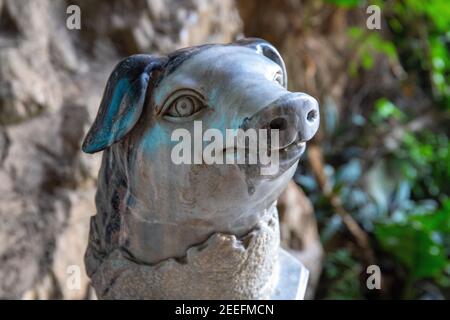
x,y
278,123
311,116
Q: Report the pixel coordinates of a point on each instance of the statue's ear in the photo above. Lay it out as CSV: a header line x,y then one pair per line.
x,y
266,49
122,101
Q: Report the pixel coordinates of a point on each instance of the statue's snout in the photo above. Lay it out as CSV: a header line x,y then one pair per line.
x,y
294,115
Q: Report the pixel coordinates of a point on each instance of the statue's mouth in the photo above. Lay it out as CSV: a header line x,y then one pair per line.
x,y
292,151
287,155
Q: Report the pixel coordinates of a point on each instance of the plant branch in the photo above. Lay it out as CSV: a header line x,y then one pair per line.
x,y
315,158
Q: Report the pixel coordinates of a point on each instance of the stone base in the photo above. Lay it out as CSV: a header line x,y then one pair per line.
x,y
223,267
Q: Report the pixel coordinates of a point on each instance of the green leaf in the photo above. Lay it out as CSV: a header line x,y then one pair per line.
x,y
437,221
414,247
385,109
345,3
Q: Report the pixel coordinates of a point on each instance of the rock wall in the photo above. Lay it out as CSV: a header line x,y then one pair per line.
x,y
51,82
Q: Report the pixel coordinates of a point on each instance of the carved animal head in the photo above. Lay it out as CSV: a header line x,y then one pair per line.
x,y
157,209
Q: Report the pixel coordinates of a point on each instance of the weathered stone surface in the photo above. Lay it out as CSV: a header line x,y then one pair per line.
x,y
71,246
51,82
38,167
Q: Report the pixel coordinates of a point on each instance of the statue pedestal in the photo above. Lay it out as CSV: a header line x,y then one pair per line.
x,y
292,278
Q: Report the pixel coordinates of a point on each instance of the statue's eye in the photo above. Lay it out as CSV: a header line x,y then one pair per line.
x,y
184,107
183,104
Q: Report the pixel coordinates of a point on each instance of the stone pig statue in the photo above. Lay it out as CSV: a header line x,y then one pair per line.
x,y
171,230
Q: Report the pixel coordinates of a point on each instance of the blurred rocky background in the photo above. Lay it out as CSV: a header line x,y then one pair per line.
x,y
372,188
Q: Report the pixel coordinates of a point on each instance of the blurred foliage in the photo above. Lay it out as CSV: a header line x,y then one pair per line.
x,y
424,159
388,164
345,3
385,109
340,268
366,44
421,242
422,36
